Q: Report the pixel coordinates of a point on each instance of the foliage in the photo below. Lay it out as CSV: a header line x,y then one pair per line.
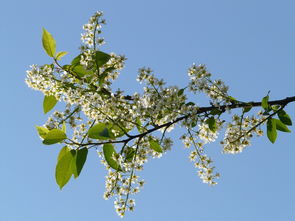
x,y
122,127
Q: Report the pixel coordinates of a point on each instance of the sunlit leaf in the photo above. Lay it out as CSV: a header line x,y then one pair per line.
x,y
212,124
64,127
232,99
129,154
62,152
64,166
104,131
100,131
138,125
42,131
54,136
60,54
48,103
275,107
81,71
155,146
48,42
109,155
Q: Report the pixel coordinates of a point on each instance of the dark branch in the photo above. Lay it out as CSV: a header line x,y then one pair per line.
x,y
223,108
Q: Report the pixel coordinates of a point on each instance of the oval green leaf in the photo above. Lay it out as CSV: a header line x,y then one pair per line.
x,y
271,130
109,154
54,136
42,131
62,152
216,111
281,126
60,54
180,92
48,103
76,60
101,58
64,127
48,42
80,70
264,103
247,109
129,154
99,131
212,124
64,166
81,157
106,131
284,117
155,146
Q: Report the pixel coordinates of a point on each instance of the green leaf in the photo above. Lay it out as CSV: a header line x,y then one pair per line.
x,y
102,78
81,157
271,130
180,92
64,127
80,70
48,103
48,42
76,60
104,91
54,136
155,146
281,126
101,58
194,123
264,103
60,54
77,70
62,152
275,107
64,167
42,131
139,125
232,99
106,131
129,154
109,154
109,70
247,109
100,131
284,117
212,124
216,112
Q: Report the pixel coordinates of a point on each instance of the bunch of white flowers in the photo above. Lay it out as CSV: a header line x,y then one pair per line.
x,y
122,127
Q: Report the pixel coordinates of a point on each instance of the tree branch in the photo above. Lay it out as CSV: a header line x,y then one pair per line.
x,y
223,108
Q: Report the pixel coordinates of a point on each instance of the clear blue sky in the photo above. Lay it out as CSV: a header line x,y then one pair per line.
x,y
249,44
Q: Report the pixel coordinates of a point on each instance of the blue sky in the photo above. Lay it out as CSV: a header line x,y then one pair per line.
x,y
249,44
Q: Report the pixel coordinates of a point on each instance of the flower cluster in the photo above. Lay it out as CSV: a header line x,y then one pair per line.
x,y
129,121
240,131
201,82
201,160
93,28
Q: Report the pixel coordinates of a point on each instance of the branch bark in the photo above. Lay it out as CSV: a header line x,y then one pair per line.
x,y
223,108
